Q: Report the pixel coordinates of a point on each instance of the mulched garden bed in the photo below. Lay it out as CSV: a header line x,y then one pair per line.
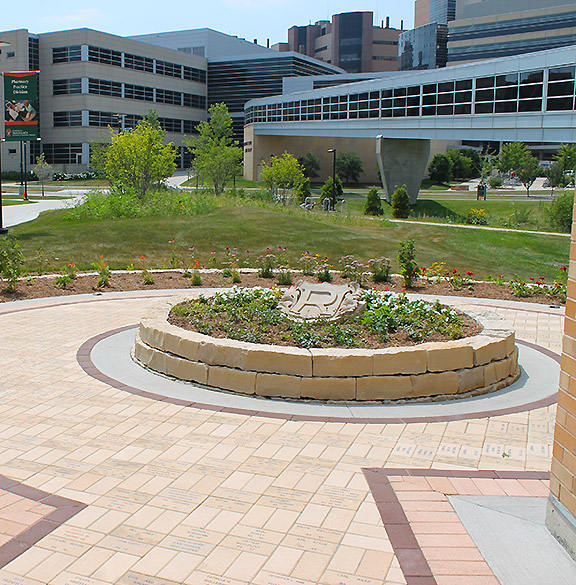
x,y
44,286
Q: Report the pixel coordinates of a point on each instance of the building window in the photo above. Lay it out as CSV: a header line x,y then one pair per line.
x,y
66,54
104,87
561,82
138,92
105,56
139,63
66,86
10,54
73,118
62,154
168,69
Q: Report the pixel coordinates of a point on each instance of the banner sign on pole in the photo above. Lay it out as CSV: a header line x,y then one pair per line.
x,y
21,110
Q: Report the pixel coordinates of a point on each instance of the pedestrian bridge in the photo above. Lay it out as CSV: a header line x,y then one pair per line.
x,y
528,98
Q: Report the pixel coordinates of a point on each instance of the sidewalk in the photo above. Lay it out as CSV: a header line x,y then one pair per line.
x,y
101,486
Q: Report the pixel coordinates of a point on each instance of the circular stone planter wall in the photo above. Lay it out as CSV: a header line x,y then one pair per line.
x,y
474,365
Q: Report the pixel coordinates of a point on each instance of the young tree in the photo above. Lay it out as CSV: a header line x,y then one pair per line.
x,y
461,165
566,156
43,170
303,191
400,203
311,165
440,169
488,165
555,175
512,156
529,172
333,191
476,159
349,167
282,176
136,159
217,157
373,205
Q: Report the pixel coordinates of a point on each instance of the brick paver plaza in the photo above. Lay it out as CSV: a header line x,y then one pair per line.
x,y
137,491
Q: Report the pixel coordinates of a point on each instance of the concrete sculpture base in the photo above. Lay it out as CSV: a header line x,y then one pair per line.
x,y
474,365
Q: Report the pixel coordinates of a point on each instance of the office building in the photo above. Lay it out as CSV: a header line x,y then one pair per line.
x,y
485,29
91,80
238,70
350,41
426,46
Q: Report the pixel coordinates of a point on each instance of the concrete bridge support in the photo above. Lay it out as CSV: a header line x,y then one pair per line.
x,y
402,162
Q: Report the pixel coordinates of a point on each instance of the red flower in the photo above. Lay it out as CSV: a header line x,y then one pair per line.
x,y
454,270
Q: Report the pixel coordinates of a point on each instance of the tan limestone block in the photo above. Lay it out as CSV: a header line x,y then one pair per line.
x,y
186,370
384,387
231,379
152,333
157,361
334,363
449,355
221,352
188,347
142,352
278,385
275,359
488,349
434,384
329,388
470,379
400,360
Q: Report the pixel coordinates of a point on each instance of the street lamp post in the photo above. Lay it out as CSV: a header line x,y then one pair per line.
x,y
3,230
333,151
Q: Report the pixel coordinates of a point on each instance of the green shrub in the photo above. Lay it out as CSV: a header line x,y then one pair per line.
x,y
333,194
303,191
495,182
196,279
477,217
380,269
11,261
407,260
559,214
373,205
161,203
236,278
440,168
284,277
400,203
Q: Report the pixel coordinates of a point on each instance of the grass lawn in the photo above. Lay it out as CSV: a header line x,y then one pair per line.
x,y
123,241
523,214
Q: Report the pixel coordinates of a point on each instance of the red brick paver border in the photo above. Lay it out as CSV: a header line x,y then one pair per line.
x,y
85,362
430,542
62,509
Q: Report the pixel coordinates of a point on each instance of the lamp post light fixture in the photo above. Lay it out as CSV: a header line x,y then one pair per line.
x,y
333,151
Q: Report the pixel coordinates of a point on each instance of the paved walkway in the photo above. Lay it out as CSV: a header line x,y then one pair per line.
x,y
99,486
17,214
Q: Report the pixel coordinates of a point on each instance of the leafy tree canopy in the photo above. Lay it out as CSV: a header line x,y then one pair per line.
x,y
217,157
349,167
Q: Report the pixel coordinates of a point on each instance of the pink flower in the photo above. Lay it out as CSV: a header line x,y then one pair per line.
x,y
170,241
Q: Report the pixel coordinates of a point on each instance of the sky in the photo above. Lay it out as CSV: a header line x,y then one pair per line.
x,y
250,19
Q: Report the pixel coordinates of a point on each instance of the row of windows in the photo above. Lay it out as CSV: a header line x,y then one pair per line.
x,y
66,54
57,154
105,119
67,154
131,92
518,92
136,62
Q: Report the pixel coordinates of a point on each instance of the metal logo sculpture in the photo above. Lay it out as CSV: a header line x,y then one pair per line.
x,y
321,301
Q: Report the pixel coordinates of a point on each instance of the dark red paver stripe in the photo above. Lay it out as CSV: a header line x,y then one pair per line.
x,y
63,510
402,538
85,362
